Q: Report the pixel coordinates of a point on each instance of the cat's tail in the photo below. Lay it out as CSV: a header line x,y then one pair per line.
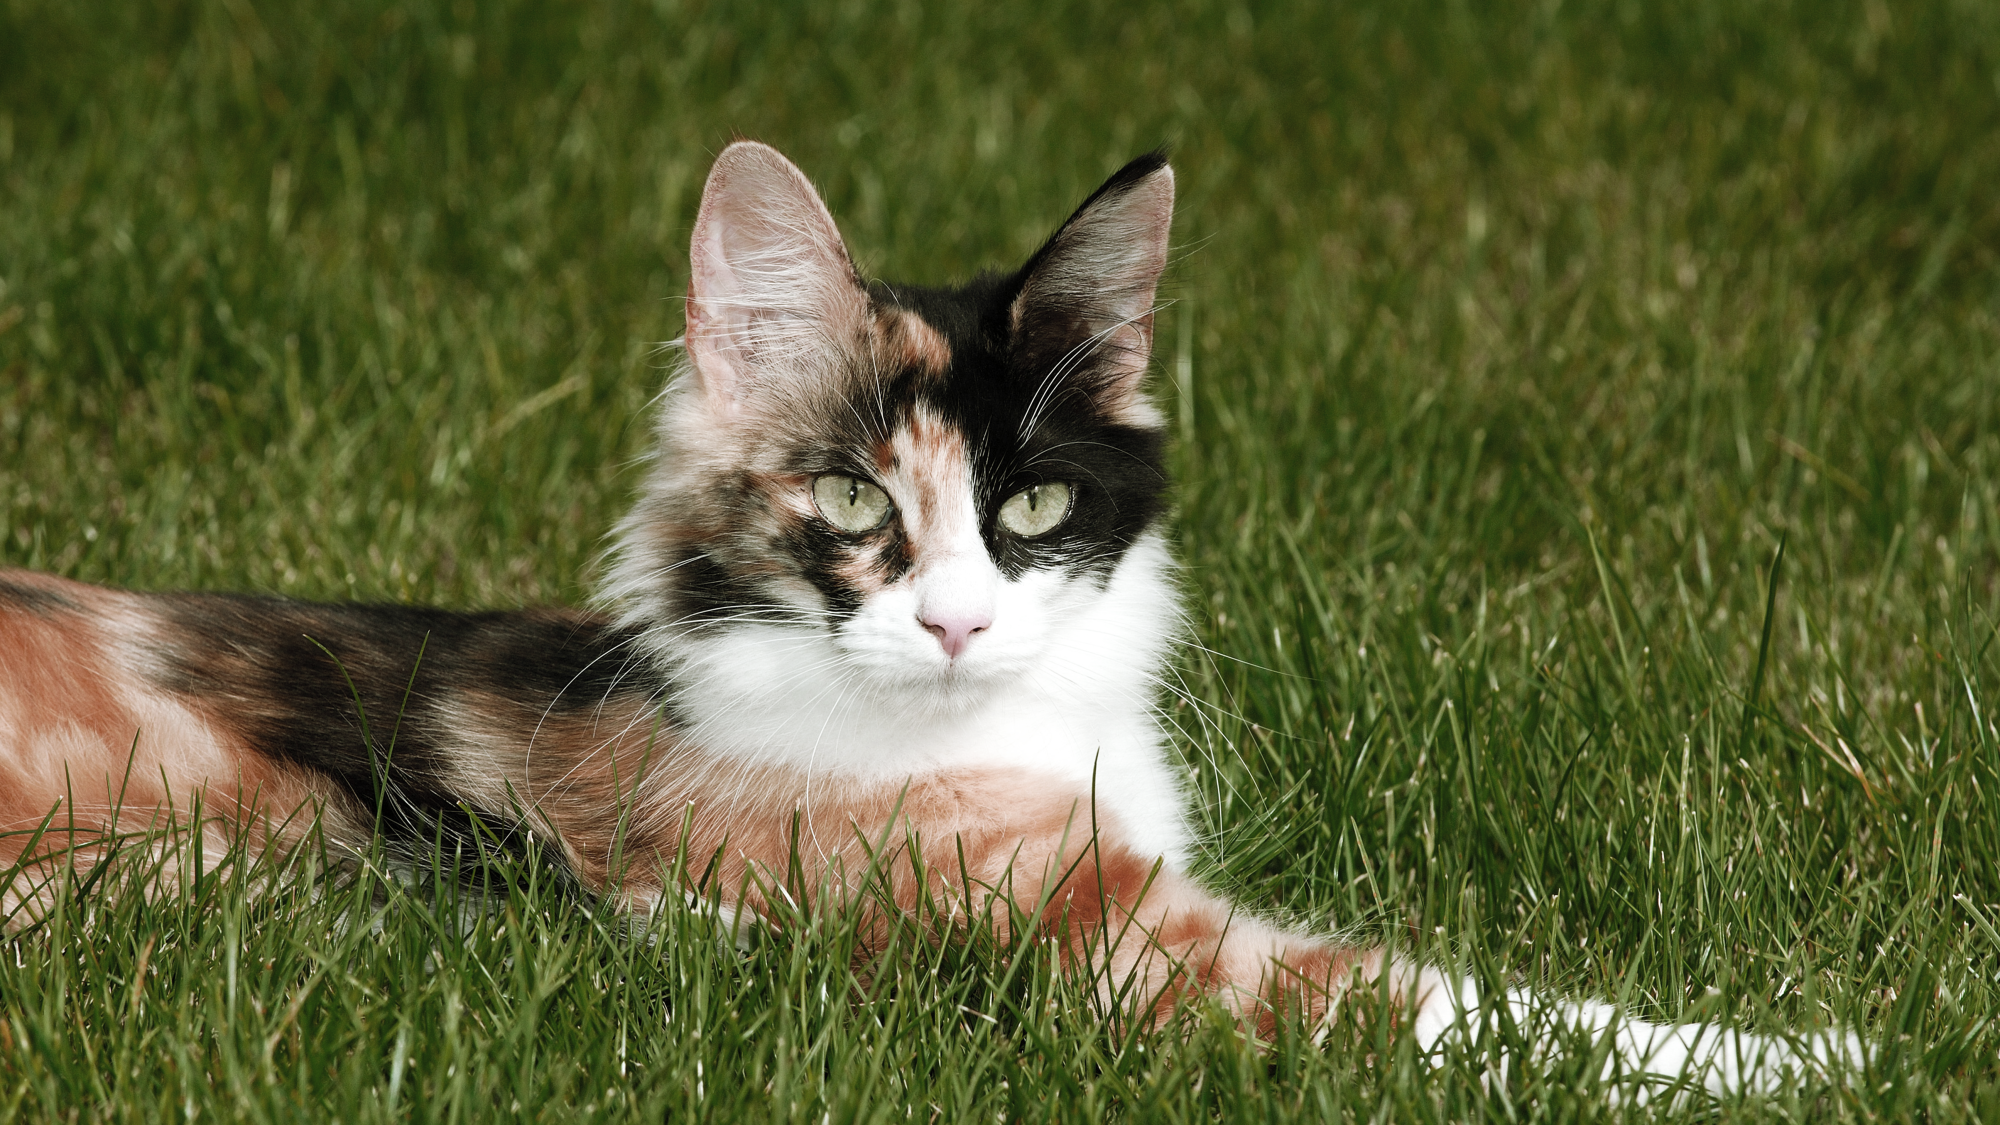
x,y
1707,1056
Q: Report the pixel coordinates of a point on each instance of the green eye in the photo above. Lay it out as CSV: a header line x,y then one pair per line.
x,y
1035,510
850,503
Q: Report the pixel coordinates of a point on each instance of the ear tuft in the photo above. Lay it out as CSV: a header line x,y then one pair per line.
x,y
773,294
1084,312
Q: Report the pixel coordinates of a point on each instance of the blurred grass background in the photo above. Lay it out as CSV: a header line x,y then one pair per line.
x,y
1509,342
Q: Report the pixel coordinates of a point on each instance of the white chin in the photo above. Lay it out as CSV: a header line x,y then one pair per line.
x,y
967,675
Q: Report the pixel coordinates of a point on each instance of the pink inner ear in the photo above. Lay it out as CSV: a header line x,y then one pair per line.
x,y
773,295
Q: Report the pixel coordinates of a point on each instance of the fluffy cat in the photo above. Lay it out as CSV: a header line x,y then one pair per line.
x,y
898,576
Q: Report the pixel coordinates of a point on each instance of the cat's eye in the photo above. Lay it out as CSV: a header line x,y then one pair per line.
x,y
850,503
1035,510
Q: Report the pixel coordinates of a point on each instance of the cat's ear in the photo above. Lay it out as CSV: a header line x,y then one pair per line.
x,y
773,297
1085,307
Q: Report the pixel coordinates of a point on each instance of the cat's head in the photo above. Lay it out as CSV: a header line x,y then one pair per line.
x,y
914,487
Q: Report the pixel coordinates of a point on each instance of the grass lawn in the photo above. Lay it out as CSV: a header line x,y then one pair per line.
x,y
1588,423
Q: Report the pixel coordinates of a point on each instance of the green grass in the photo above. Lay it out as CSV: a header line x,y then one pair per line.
x,y
1510,342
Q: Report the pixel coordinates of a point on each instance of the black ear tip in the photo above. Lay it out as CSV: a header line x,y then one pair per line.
x,y
1134,173
1138,168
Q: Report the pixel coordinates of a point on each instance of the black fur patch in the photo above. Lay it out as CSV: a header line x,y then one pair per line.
x,y
706,591
359,692
41,603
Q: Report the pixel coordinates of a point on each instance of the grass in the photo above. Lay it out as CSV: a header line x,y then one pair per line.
x,y
1513,346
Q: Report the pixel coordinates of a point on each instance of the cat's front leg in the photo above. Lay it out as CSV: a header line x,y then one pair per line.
x,y
1657,1056
1149,937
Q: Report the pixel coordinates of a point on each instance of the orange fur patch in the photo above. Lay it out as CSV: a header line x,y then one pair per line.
x,y
932,481
88,749
903,339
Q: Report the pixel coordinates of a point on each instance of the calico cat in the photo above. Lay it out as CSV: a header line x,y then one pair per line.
x,y
898,576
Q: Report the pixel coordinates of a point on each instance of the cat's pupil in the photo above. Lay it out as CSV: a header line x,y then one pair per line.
x,y
853,492
1034,497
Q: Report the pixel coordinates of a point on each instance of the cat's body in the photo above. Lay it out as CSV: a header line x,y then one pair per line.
x,y
897,581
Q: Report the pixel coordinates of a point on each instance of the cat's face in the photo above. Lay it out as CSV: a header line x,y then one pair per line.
x,y
913,488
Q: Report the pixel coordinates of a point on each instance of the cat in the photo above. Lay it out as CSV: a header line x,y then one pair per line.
x,y
897,578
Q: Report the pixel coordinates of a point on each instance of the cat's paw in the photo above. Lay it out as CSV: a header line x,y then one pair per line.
x,y
1721,1060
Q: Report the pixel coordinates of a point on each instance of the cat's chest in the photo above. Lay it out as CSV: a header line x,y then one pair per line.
x,y
1102,748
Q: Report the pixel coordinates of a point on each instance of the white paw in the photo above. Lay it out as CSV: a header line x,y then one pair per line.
x,y
1719,1059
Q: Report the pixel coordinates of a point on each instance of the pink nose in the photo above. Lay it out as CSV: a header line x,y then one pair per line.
x,y
954,630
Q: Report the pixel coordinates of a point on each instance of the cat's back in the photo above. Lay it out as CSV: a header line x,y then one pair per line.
x,y
72,654
65,652
117,706
85,740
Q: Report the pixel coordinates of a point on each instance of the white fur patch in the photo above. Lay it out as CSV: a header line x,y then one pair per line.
x,y
1706,1056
